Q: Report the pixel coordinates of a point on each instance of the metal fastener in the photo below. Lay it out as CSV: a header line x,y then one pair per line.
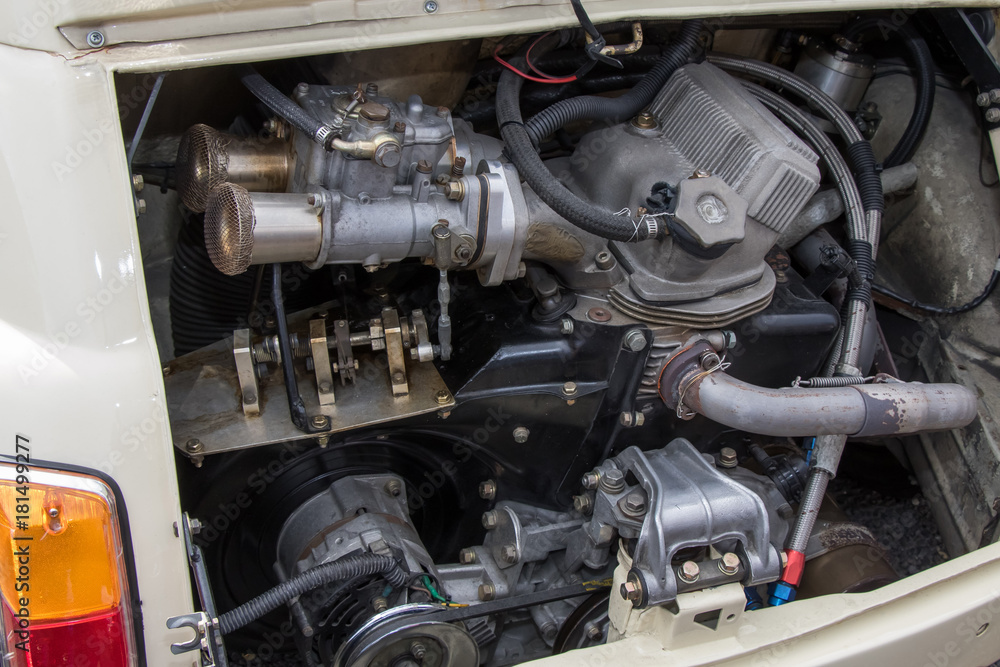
x,y
631,419
487,592
467,556
566,326
729,564
393,487
728,458
612,481
590,480
454,191
442,112
635,340
442,396
380,604
583,504
423,167
709,360
399,127
701,173
635,503
992,115
319,421
488,490
598,314
995,95
140,206
138,182
95,39
430,6
491,519
983,99
418,651
508,553
593,632
569,388
194,446
645,121
458,167
53,512
689,571
604,260
631,590
521,435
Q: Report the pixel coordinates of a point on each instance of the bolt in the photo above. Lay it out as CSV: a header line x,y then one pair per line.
x,y
195,526
598,314
635,503
140,206
635,340
508,554
442,112
709,360
424,167
418,651
604,260
454,191
95,39
645,121
458,167
467,556
301,90
631,590
54,512
324,387
371,90
194,446
138,183
689,571
463,253
323,441
701,173
992,115
250,399
388,155
612,481
995,95
488,490
593,632
398,377
442,397
569,388
399,127
729,338
590,480
566,326
380,604
393,487
319,421
631,419
491,519
583,504
521,435
487,592
730,563
728,458
983,99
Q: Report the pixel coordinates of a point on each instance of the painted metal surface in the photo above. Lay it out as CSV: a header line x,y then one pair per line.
x,y
79,371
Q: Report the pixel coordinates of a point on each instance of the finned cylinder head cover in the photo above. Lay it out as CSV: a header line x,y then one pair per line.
x,y
243,228
206,158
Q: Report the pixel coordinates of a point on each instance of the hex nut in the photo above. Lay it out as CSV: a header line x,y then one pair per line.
x,y
631,419
566,326
319,421
728,458
488,490
491,519
634,503
689,571
569,388
729,564
508,553
454,190
635,340
467,556
612,481
645,121
583,504
521,435
442,397
590,480
487,592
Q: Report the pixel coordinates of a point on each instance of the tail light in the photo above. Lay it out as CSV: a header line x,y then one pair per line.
x,y
63,579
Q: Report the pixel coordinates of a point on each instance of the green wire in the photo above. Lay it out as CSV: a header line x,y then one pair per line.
x,y
434,592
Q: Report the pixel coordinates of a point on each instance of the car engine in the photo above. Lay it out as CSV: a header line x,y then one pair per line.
x,y
477,378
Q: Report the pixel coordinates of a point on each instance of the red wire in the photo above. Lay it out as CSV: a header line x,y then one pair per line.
x,y
531,65
496,57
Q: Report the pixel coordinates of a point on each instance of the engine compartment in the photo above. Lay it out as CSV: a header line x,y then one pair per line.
x,y
452,388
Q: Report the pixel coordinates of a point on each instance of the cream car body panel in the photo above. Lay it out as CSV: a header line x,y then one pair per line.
x,y
81,375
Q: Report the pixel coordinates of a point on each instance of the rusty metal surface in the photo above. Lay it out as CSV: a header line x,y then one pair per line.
x,y
203,399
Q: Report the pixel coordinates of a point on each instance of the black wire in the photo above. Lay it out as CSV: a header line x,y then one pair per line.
x,y
942,310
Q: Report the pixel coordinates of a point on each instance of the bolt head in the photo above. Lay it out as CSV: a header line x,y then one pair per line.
x,y
521,435
728,458
442,397
635,502
487,592
393,487
635,340
569,388
95,39
388,155
993,115
709,360
467,556
418,651
701,173
582,504
604,260
488,490
612,481
194,446
491,519
509,553
689,571
593,632
995,95
730,563
454,190
566,326
983,99
590,480
645,121
319,421
53,512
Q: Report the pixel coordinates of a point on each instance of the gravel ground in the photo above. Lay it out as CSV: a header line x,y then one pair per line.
x,y
902,522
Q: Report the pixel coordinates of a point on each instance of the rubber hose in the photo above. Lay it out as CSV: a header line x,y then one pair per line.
x,y
557,196
617,109
346,568
277,102
923,63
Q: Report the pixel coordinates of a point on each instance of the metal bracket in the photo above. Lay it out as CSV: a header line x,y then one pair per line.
x,y
346,365
424,350
208,638
321,361
394,351
246,371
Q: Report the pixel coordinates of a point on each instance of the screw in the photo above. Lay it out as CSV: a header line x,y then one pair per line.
x,y
371,90
194,446
508,554
598,314
442,397
458,167
521,435
393,487
631,419
635,340
689,571
604,260
380,604
467,556
323,441
319,421
593,632
992,115
730,563
398,377
590,480
491,519
566,326
487,592
728,458
569,388
701,173
250,399
424,167
418,651
983,99
488,490
54,512
583,504
95,39
645,120
612,481
635,503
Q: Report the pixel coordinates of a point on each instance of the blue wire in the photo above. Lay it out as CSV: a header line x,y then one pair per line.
x,y
809,449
